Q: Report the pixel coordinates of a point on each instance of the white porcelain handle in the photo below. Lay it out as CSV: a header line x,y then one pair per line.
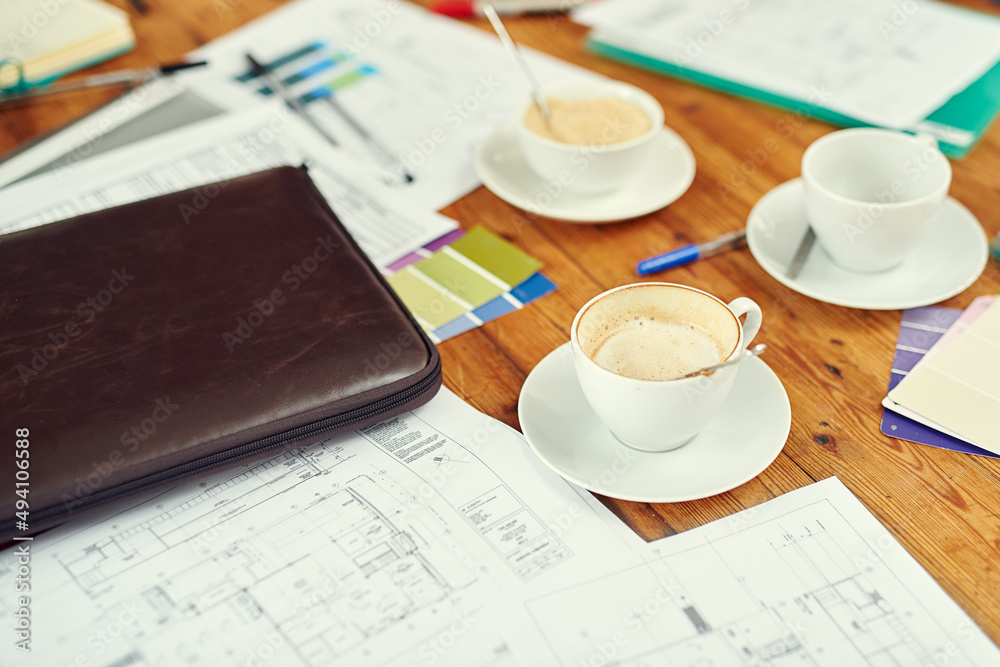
x,y
745,306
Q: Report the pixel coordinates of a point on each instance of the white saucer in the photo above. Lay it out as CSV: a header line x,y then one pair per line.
x,y
743,439
665,178
950,259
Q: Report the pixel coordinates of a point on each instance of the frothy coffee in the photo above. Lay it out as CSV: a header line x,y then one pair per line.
x,y
645,348
654,332
599,121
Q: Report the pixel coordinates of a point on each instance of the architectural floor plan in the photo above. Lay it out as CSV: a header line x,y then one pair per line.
x,y
437,538
800,588
384,544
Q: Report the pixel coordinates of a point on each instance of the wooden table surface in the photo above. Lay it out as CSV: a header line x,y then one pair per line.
x,y
944,507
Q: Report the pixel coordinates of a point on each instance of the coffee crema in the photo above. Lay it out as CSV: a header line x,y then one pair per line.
x,y
599,121
645,348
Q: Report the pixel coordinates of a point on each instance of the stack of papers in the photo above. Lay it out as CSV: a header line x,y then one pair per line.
x,y
383,223
52,39
950,378
428,88
881,62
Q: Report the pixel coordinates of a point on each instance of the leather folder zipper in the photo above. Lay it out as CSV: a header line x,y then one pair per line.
x,y
249,450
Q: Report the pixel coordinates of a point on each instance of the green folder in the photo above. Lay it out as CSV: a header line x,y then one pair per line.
x,y
958,124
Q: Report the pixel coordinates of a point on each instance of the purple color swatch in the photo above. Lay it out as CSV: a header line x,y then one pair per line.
x,y
435,245
919,330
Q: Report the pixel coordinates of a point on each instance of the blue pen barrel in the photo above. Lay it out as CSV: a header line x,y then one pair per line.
x,y
669,260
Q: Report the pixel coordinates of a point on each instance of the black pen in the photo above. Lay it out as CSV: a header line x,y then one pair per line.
x,y
281,90
383,154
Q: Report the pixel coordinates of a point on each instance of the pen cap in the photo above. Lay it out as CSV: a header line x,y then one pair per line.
x,y
669,260
455,8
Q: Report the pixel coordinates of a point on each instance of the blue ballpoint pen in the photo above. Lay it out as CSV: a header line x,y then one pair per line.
x,y
689,253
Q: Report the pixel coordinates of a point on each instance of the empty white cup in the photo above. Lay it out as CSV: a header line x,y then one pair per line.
x,y
872,195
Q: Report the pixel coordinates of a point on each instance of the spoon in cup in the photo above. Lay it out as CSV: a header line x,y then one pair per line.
x,y
536,89
752,352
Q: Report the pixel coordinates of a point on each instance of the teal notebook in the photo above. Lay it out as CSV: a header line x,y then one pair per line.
x,y
958,124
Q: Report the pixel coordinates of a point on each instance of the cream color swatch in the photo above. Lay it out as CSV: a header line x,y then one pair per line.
x,y
959,386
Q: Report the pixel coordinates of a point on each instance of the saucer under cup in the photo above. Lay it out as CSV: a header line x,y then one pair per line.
x,y
949,259
667,175
740,442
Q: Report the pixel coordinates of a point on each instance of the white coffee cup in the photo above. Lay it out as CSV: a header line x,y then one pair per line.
x,y
593,168
658,415
872,195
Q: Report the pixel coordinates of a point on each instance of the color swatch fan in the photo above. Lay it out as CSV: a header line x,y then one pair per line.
x,y
955,387
920,330
465,279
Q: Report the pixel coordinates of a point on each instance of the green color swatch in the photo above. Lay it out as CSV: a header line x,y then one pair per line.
x,y
497,256
458,279
427,303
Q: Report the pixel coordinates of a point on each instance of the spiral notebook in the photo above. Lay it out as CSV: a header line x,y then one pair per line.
x,y
42,41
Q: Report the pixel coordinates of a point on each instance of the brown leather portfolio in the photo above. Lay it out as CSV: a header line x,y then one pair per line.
x,y
157,341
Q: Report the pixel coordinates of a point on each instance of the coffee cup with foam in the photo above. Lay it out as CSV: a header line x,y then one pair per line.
x,y
632,347
599,136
